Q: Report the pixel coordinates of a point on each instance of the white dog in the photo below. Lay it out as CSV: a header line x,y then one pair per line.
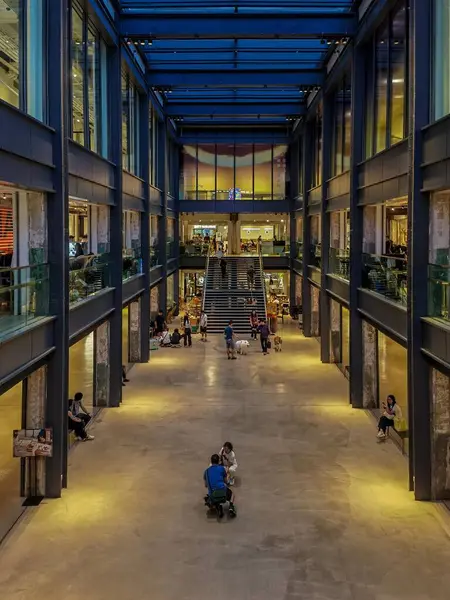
x,y
242,346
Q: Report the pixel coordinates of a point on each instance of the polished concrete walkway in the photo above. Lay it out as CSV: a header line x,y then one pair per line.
x,y
323,510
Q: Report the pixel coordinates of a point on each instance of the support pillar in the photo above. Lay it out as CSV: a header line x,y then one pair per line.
x,y
370,366
440,428
327,137
419,83
59,80
101,364
115,232
356,230
163,168
134,316
144,228
306,154
36,397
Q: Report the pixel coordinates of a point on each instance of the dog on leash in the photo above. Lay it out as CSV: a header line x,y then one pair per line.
x,y
278,342
242,347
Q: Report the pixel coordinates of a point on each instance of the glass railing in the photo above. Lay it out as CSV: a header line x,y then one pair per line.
x,y
131,263
339,262
24,296
194,249
387,276
88,275
438,291
299,250
154,256
170,249
315,255
231,195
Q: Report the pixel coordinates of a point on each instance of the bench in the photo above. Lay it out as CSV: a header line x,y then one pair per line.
x,y
398,437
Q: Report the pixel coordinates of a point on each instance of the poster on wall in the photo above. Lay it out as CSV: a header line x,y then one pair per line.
x,y
32,442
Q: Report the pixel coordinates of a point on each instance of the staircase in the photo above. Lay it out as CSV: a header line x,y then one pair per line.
x,y
226,297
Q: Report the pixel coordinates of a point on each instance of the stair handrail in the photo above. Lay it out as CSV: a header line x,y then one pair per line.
x,y
263,281
206,278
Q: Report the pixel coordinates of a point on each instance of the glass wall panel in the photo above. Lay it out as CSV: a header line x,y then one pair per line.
x,y
206,171
10,40
279,172
188,173
338,130
93,78
35,58
398,73
263,172
381,88
441,37
78,77
347,123
132,129
225,172
317,148
125,120
345,340
244,172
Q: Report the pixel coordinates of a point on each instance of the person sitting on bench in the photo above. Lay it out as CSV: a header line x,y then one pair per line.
x,y
391,411
77,425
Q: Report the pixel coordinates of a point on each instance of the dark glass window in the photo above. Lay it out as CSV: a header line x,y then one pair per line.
x,y
342,127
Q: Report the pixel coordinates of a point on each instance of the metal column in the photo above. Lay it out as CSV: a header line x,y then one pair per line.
x,y
145,228
356,230
163,181
327,136
115,348
306,291
418,218
58,244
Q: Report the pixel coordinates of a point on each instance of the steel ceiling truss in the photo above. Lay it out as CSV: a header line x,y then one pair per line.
x,y
234,59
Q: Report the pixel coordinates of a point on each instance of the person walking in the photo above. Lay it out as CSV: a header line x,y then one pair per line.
x,y
223,267
204,326
229,340
264,333
254,324
187,330
251,276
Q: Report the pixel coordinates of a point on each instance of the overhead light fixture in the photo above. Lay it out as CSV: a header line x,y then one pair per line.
x,y
329,42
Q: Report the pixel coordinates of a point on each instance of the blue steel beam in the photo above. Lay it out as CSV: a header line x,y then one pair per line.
x,y
235,78
237,25
180,109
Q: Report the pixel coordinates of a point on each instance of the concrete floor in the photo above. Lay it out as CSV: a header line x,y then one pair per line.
x,y
323,511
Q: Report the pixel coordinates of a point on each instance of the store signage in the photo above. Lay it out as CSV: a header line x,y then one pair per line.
x,y
32,442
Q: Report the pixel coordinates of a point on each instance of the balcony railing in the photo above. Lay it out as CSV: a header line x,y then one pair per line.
x,y
24,296
438,291
154,256
315,255
193,249
88,275
387,276
339,262
131,263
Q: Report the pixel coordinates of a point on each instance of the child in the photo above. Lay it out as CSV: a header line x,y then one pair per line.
x,y
228,460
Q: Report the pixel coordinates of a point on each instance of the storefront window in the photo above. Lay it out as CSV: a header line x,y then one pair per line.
x,y
393,372
89,85
154,240
188,174
279,172
170,293
345,341
22,31
388,82
441,58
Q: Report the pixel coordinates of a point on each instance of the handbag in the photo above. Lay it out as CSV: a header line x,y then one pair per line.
x,y
400,424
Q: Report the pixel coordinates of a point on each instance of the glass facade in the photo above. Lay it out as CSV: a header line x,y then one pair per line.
x,y
233,172
441,100
130,124
22,52
342,127
386,85
89,56
316,135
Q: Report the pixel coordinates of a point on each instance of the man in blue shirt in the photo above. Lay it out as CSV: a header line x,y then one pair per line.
x,y
229,339
215,478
